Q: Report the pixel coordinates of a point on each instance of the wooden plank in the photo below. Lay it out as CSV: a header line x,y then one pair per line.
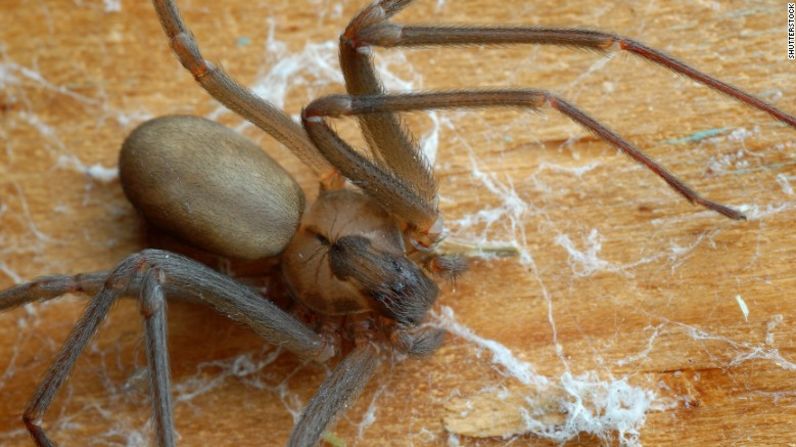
x,y
619,278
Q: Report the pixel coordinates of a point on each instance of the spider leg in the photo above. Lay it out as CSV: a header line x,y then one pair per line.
x,y
154,313
189,281
236,97
399,166
46,288
387,34
144,274
392,146
335,148
418,341
381,183
337,391
115,285
153,309
49,287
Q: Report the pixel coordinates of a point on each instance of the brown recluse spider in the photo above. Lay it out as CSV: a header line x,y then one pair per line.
x,y
367,253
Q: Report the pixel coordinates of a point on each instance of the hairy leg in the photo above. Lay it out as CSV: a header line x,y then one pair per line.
x,y
391,144
399,177
152,274
191,281
236,97
153,309
338,105
337,391
384,34
49,287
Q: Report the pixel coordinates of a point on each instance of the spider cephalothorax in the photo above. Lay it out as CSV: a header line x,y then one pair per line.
x,y
364,251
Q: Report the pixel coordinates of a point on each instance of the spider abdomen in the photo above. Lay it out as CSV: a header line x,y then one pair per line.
x,y
210,186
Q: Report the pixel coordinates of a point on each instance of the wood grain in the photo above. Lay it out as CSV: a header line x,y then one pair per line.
x,y
620,277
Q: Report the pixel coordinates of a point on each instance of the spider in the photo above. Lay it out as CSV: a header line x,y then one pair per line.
x,y
392,280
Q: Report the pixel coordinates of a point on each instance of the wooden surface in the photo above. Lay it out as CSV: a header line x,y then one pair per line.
x,y
618,277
